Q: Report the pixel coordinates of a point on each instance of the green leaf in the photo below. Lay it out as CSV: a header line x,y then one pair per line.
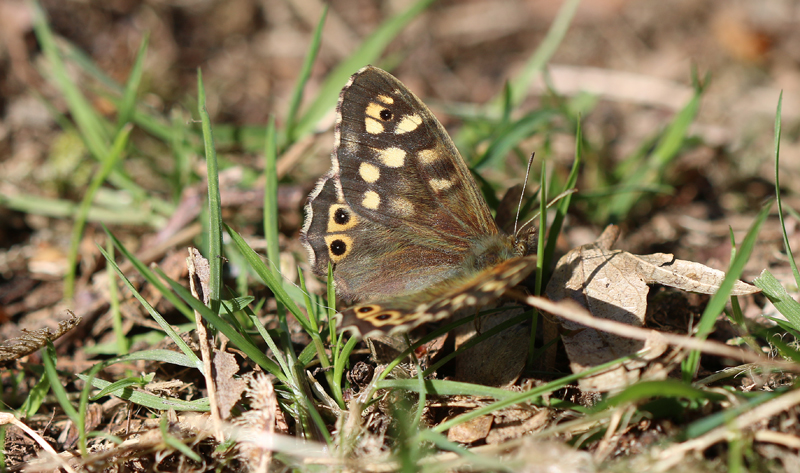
x,y
302,79
786,246
782,300
154,314
369,51
214,254
720,298
150,400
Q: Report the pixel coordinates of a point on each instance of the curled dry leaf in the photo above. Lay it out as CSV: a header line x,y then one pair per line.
x,y
32,340
612,284
664,269
229,387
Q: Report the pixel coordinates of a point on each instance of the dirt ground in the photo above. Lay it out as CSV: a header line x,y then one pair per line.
x,y
637,58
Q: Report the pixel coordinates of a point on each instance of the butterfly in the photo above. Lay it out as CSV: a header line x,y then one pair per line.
x,y
401,219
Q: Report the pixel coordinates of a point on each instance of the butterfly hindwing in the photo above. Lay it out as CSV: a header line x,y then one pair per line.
x,y
439,301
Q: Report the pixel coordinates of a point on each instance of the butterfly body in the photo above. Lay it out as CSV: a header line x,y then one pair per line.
x,y
401,218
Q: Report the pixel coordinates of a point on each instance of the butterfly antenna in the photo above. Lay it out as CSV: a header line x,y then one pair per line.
x,y
522,194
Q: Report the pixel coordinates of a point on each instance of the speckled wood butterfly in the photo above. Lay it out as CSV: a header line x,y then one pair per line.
x,y
401,218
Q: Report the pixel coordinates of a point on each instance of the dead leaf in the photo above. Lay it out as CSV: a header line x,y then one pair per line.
x,y
498,360
599,280
32,340
664,269
471,431
515,422
612,284
199,274
229,389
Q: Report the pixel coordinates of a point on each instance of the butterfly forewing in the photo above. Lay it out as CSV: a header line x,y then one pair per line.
x,y
399,167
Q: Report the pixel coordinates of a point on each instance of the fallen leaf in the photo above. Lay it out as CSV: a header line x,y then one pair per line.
x,y
612,284
664,269
229,389
471,431
32,340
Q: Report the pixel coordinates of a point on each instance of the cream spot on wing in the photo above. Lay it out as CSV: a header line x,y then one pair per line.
x,y
458,301
440,184
492,285
386,99
371,200
369,172
471,300
427,156
374,110
402,206
511,272
373,126
392,157
408,124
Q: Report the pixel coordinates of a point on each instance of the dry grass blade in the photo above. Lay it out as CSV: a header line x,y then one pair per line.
x,y
6,418
572,311
673,455
32,340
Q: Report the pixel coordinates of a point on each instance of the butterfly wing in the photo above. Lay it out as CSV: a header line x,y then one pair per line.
x,y
438,302
399,209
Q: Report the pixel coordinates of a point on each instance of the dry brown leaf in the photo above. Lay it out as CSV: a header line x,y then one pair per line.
x,y
32,340
664,269
199,274
514,423
471,431
612,284
599,280
229,389
497,361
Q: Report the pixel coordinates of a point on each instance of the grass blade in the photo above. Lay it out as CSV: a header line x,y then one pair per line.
x,y
786,245
667,148
369,52
214,206
108,163
154,314
302,79
782,300
719,299
128,104
267,277
219,324
93,129
520,85
50,359
563,205
150,277
271,199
